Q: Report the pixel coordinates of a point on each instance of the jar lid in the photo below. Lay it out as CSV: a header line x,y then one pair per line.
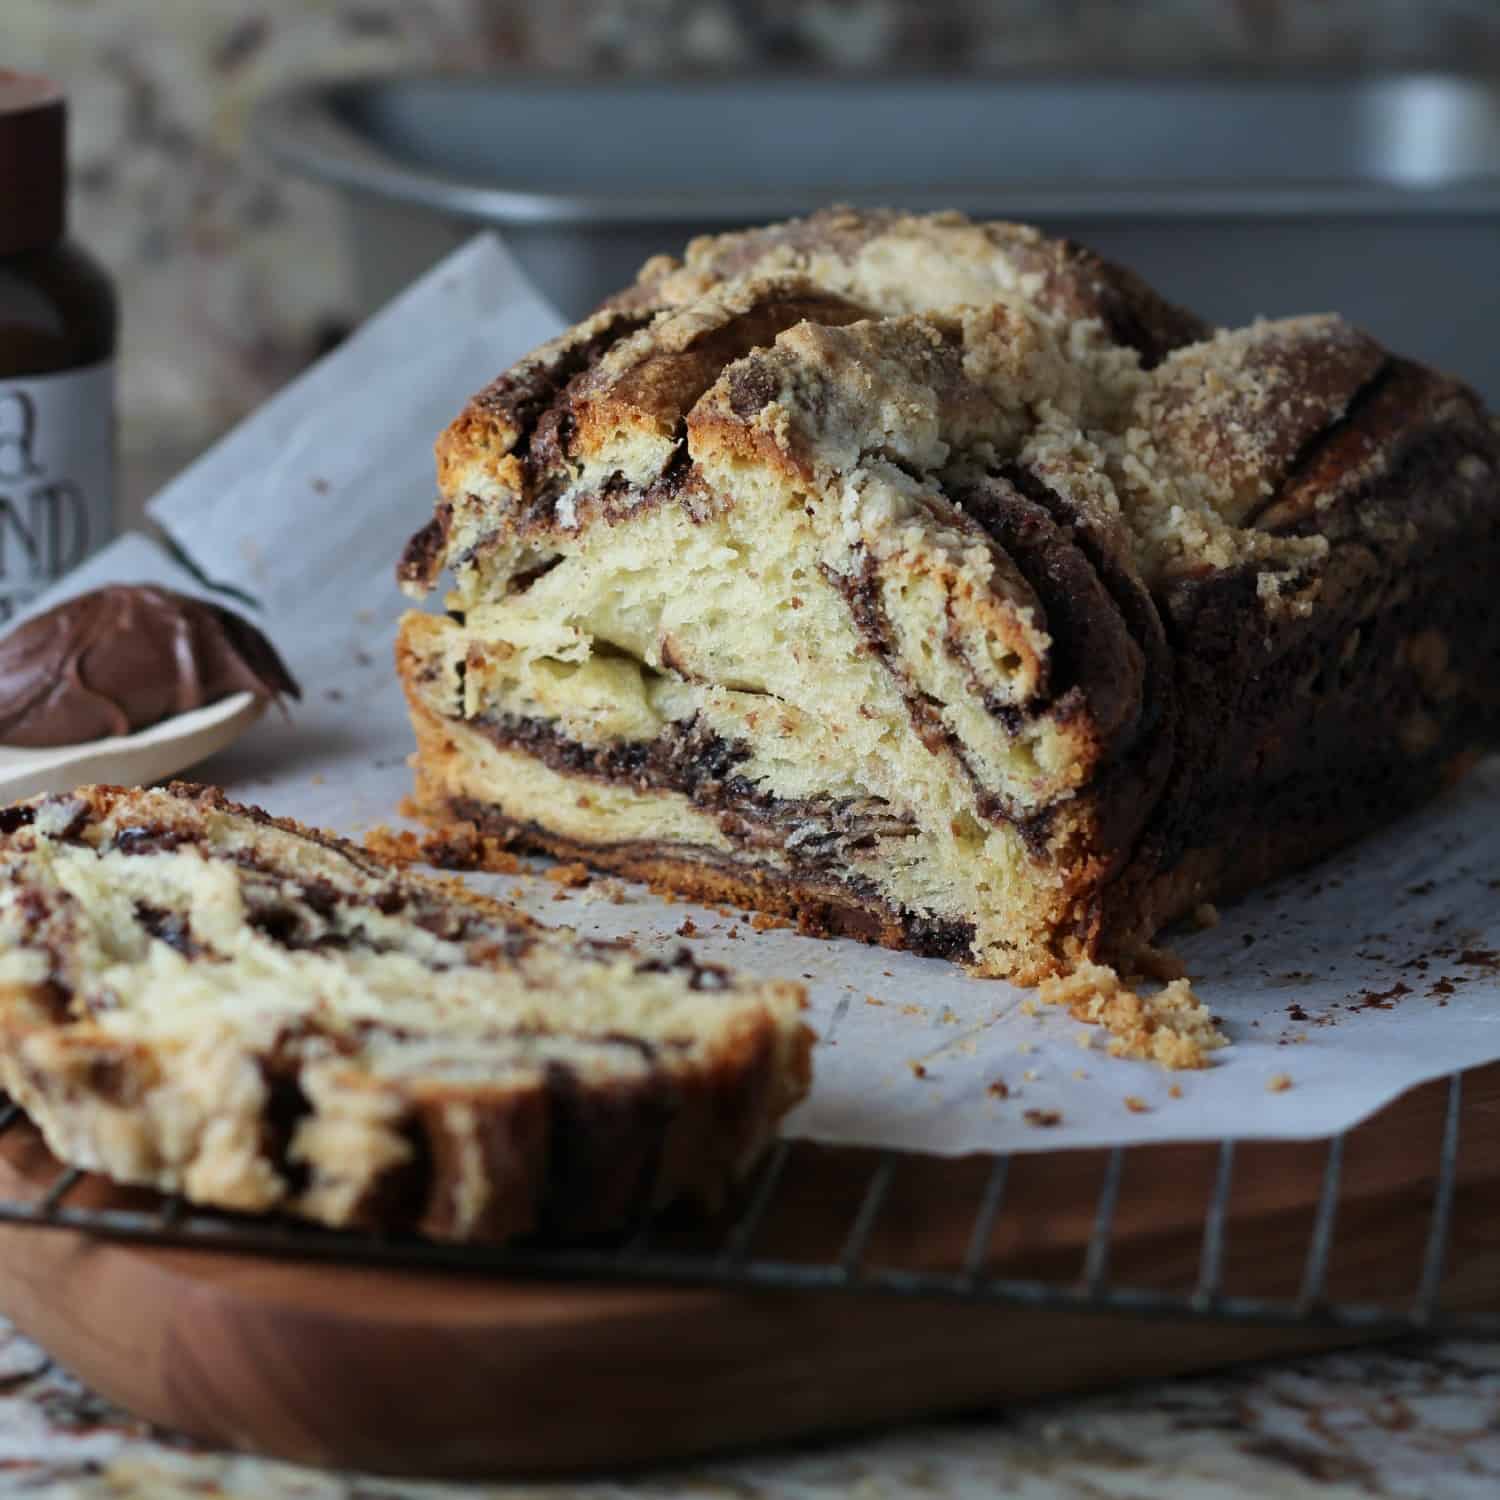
x,y
33,162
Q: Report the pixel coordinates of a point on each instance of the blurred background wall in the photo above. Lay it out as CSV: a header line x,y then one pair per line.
x,y
232,278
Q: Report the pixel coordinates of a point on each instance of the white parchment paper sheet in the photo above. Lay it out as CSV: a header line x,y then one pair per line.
x,y
1364,977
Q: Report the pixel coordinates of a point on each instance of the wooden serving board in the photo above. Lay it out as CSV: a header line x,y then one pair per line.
x,y
416,1371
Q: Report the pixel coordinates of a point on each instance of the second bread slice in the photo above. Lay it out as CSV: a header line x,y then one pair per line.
x,y
199,997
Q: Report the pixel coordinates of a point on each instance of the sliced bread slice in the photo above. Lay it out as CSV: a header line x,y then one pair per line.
x,y
200,997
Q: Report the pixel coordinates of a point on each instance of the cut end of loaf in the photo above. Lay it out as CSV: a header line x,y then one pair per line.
x,y
940,583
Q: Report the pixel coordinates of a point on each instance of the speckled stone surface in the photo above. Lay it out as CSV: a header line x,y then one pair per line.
x,y
1415,1421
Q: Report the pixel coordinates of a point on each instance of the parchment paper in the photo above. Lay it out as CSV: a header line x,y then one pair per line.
x,y
1364,977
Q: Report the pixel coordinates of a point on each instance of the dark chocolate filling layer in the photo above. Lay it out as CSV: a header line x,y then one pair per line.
x,y
828,901
521,398
818,833
862,594
1093,654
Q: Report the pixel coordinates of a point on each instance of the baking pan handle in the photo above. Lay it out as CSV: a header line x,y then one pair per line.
x,y
303,130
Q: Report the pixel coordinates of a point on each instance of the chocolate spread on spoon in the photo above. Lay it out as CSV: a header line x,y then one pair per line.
x,y
126,657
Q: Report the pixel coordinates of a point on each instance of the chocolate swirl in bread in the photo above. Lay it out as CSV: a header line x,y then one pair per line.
x,y
1090,613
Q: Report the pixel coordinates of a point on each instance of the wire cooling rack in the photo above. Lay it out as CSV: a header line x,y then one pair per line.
x,y
728,1257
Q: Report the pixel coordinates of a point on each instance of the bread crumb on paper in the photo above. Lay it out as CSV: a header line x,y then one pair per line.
x,y
399,846
1278,1083
574,874
457,846
1170,1027
999,1089
1136,1105
1042,1119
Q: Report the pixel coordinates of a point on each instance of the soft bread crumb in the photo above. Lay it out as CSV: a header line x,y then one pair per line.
x,y
399,846
570,875
1042,1119
1136,1105
611,891
455,846
1170,1027
1278,1083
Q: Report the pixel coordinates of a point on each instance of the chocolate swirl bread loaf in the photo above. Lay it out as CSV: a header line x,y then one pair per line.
x,y
199,997
941,584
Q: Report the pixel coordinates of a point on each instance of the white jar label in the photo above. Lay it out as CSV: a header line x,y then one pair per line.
x,y
57,477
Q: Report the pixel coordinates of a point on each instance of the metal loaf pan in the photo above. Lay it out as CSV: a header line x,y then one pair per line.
x,y
1378,197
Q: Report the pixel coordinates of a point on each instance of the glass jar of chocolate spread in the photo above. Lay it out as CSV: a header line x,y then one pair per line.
x,y
57,344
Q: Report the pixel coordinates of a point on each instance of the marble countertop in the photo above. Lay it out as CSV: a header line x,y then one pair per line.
x,y
1420,1421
